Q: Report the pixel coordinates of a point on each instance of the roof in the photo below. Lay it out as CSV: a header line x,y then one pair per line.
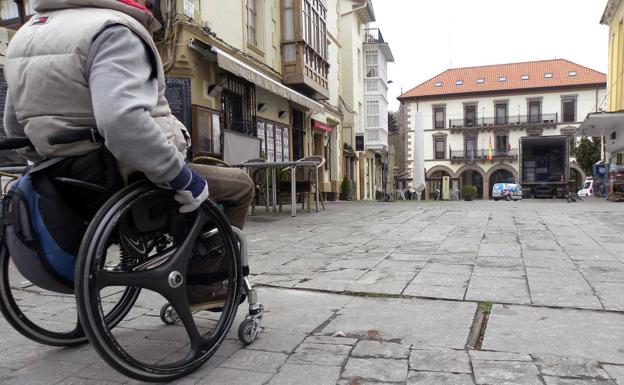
x,y
507,77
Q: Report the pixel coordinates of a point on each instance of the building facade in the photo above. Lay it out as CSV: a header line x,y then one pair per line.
x,y
285,76
473,118
609,124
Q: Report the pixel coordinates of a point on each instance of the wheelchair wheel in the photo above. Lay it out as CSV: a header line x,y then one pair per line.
x,y
47,327
186,260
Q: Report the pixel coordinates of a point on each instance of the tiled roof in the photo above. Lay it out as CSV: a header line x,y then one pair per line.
x,y
507,77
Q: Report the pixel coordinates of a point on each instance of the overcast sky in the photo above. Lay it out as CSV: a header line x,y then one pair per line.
x,y
429,36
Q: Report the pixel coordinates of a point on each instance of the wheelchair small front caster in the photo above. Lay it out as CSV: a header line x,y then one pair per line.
x,y
168,315
248,330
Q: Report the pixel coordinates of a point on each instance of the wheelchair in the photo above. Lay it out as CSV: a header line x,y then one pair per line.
x,y
136,249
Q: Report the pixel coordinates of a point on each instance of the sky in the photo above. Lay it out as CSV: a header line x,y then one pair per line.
x,y
428,37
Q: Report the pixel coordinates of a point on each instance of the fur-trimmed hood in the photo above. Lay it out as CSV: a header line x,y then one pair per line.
x,y
129,7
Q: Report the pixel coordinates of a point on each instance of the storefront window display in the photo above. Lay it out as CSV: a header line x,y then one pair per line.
x,y
274,141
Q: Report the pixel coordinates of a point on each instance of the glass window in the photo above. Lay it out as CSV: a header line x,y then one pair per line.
x,y
439,118
372,64
438,84
372,114
502,144
440,147
535,111
548,75
501,113
569,110
525,77
207,131
502,79
459,82
251,22
480,81
572,74
470,115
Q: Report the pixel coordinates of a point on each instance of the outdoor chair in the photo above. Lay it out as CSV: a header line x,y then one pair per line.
x,y
259,177
305,183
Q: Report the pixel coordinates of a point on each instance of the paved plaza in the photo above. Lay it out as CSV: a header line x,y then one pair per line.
x,y
527,292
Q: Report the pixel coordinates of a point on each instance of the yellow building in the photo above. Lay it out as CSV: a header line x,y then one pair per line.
x,y
610,124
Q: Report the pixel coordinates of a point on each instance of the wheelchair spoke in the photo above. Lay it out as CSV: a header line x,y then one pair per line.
x,y
181,306
182,256
154,279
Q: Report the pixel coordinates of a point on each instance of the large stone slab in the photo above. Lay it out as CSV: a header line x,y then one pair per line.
x,y
411,321
585,334
440,360
376,369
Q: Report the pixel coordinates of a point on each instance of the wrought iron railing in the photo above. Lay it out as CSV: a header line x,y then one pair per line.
x,y
373,36
503,121
482,154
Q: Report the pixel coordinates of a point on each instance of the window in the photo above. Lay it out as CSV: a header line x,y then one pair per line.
x,y
238,101
459,82
312,21
525,77
438,84
502,145
535,111
471,147
502,79
298,135
372,85
569,110
572,74
252,20
372,114
207,133
440,147
470,115
372,64
438,117
480,81
548,75
501,113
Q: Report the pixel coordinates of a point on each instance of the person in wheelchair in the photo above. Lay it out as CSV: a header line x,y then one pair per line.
x,y
87,67
80,64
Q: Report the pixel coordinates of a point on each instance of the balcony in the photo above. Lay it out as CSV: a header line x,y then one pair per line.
x,y
481,155
305,70
376,139
514,122
373,36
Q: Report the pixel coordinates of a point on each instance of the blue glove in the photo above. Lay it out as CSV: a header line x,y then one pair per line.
x,y
192,189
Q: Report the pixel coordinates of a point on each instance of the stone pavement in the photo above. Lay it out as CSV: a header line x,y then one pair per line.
x,y
408,293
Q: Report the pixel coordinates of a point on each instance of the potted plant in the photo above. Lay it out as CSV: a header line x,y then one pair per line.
x,y
468,192
345,190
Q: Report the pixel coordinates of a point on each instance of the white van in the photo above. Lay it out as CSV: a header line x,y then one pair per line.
x,y
587,190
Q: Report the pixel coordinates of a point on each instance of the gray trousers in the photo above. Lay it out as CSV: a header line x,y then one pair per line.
x,y
230,186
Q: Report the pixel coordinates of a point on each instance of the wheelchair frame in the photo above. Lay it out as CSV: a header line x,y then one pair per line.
x,y
169,279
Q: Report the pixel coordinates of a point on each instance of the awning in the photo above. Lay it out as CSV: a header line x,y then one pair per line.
x,y
601,124
238,68
322,126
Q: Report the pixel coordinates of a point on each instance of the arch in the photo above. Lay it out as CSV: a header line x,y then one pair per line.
x,y
435,169
470,167
483,187
502,166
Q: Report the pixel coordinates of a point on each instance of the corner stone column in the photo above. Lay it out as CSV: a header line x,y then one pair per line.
x,y
486,189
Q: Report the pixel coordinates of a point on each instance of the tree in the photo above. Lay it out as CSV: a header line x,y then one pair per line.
x,y
392,122
587,153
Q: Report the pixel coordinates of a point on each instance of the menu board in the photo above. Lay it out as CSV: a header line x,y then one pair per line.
x,y
278,144
286,145
260,129
3,94
178,94
270,143
216,133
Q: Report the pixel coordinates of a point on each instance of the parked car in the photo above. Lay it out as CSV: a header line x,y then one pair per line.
x,y
587,190
507,191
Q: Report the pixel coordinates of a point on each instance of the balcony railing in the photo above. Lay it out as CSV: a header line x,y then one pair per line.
x,y
373,36
482,154
504,121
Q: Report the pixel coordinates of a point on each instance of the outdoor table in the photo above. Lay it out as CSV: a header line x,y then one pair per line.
x,y
293,189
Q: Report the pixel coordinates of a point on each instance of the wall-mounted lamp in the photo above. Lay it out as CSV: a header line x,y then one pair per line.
x,y
263,107
214,90
390,81
282,114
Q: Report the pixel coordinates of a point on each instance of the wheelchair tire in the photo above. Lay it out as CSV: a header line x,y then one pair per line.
x,y
168,278
28,328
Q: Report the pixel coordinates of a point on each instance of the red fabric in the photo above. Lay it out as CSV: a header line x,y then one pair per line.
x,y
134,4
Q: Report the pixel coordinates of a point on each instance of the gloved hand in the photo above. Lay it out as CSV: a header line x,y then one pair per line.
x,y
192,189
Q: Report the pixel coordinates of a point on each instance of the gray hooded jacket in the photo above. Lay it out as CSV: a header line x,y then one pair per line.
x,y
93,64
